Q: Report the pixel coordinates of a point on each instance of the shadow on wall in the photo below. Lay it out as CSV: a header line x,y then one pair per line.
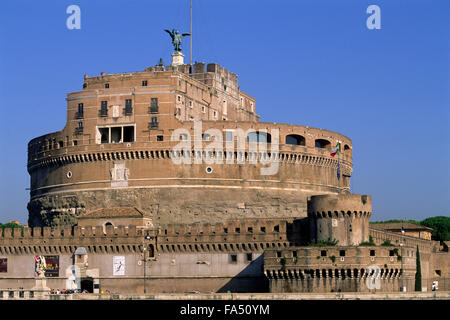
x,y
251,279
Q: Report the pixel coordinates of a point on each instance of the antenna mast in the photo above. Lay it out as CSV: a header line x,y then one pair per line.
x,y
190,54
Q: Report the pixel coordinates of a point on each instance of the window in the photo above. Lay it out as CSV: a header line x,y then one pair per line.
x,y
75,142
322,143
106,85
372,253
206,137
104,109
238,230
104,135
79,113
153,105
257,136
228,135
276,228
263,229
278,254
225,230
128,107
144,83
294,254
391,253
115,134
249,257
323,253
128,134
190,104
159,138
342,253
250,229
203,109
154,123
215,115
295,139
233,258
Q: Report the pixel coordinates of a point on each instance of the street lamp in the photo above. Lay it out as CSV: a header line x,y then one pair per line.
x,y
402,255
145,262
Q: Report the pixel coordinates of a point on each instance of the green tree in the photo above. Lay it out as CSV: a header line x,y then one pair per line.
x,y
9,225
418,278
440,226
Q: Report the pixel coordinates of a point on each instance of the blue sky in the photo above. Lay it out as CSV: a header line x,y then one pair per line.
x,y
312,63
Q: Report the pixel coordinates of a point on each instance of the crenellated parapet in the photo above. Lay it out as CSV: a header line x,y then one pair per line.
x,y
339,269
47,240
235,235
343,218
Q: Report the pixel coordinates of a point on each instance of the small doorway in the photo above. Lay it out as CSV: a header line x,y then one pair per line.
x,y
87,284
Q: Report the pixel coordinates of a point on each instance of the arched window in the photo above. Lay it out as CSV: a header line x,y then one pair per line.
x,y
347,149
295,139
257,136
322,143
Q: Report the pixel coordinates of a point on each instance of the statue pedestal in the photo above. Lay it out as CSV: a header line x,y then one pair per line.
x,y
40,289
177,58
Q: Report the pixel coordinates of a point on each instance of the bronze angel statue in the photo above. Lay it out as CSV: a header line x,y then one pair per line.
x,y
176,38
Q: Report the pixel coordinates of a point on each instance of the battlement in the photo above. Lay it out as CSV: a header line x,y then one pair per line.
x,y
247,235
76,232
338,262
324,206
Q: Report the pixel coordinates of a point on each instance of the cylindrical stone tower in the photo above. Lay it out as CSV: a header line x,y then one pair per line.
x,y
343,217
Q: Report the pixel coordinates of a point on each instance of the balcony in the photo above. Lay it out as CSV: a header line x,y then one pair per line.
x,y
79,130
153,109
79,115
128,110
103,113
153,125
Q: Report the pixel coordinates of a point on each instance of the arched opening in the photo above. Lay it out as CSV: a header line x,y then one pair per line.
x,y
151,250
257,136
322,143
295,139
87,284
347,149
108,224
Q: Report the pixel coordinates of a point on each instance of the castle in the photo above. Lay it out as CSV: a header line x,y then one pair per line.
x,y
150,187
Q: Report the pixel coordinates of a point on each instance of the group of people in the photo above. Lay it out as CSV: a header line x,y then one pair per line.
x,y
66,291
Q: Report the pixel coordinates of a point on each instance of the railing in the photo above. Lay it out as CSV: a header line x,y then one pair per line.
x,y
16,294
153,125
153,109
79,115
128,110
103,112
